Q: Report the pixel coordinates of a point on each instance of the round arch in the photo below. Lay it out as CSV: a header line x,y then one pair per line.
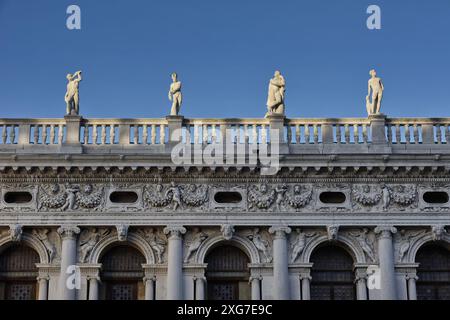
x,y
133,239
421,241
32,242
240,242
343,241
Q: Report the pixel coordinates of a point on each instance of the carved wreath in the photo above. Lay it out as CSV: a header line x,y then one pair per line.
x,y
157,198
365,195
194,196
90,200
259,199
299,200
404,195
52,201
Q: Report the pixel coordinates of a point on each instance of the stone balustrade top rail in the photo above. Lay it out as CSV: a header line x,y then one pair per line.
x,y
74,134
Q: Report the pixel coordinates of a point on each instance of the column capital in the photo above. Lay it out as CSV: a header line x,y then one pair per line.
x,y
175,232
385,231
68,231
305,277
412,276
253,278
280,231
43,277
92,277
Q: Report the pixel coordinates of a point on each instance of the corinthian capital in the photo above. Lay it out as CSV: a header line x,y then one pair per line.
x,y
68,231
280,231
175,232
385,231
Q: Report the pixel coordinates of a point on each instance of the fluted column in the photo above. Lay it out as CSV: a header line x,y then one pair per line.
x,y
149,283
200,293
280,262
175,262
68,258
306,287
412,291
93,287
387,264
43,287
256,287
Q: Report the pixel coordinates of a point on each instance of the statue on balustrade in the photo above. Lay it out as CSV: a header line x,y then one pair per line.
x,y
72,97
275,99
175,95
375,86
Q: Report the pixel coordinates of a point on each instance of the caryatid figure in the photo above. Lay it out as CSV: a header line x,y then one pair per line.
x,y
275,97
376,87
175,95
72,98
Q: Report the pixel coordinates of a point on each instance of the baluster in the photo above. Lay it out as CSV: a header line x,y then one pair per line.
x,y
246,137
196,133
36,134
347,133
60,133
188,134
153,134
4,134
438,134
44,134
446,133
223,133
12,134
398,138
52,134
407,133
135,134
307,134
389,133
364,133
237,129
289,134
355,133
145,134
316,134
297,134
162,134
205,134
94,134
103,137
338,134
213,134
263,134
86,134
112,134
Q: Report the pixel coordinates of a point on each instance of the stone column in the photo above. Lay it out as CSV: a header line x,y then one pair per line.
x,y
175,262
412,291
68,258
93,287
200,293
306,287
280,262
149,283
43,287
256,287
361,284
387,265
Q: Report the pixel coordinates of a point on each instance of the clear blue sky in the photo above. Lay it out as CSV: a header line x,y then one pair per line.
x,y
225,51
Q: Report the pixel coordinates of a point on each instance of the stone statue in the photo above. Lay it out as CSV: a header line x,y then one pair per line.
x,y
176,195
42,234
156,243
275,99
405,240
195,244
175,95
260,244
299,244
281,191
71,200
72,98
363,240
375,86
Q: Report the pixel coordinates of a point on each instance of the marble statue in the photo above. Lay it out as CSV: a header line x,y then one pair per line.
x,y
275,99
72,98
175,95
375,86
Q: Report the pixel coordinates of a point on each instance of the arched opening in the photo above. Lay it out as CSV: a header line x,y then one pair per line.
x,y
332,274
122,274
18,273
227,274
433,273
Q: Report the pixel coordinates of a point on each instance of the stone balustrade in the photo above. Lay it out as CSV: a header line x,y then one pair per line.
x,y
301,135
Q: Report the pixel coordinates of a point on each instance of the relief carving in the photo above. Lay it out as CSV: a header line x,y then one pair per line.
x,y
261,197
88,239
299,244
194,244
261,244
403,242
156,241
366,241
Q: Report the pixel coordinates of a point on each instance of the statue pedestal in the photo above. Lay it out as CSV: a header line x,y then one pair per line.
x,y
276,122
175,124
72,143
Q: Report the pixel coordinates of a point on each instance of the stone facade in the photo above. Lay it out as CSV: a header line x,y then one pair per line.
x,y
73,189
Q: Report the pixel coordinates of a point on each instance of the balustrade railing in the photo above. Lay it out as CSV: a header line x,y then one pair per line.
x,y
157,132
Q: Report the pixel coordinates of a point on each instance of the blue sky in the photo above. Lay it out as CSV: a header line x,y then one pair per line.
x,y
224,52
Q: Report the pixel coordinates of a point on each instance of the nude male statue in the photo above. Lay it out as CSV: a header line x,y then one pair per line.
x,y
72,98
275,98
175,95
376,86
